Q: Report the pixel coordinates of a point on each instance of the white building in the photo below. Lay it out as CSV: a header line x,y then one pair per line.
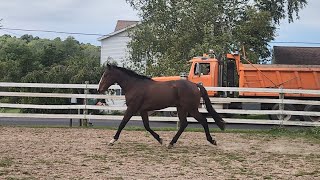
x,y
114,45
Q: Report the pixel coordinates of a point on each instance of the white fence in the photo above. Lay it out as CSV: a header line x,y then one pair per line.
x,y
85,107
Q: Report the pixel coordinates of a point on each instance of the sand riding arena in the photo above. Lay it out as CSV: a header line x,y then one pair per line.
x,y
73,153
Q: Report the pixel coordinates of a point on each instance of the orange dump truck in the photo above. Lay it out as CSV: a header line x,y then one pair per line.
x,y
230,72
275,76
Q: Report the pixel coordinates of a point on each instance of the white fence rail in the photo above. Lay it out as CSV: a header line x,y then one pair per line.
x,y
217,100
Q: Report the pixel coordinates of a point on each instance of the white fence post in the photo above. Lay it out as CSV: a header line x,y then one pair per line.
x,y
281,105
85,110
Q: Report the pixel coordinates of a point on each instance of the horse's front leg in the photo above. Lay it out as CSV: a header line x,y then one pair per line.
x,y
127,115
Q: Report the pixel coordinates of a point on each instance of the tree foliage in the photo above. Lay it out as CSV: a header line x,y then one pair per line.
x,y
172,32
280,9
30,59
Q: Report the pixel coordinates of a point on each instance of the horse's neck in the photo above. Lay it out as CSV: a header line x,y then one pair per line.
x,y
127,83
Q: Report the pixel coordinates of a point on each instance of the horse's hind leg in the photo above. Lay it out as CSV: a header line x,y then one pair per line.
x,y
183,124
203,121
145,119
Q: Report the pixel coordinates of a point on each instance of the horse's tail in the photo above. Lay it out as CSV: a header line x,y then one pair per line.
x,y
204,94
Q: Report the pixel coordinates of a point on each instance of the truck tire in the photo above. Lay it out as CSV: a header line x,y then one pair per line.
x,y
312,118
288,107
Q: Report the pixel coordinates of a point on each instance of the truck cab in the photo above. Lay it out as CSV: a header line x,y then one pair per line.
x,y
209,71
205,70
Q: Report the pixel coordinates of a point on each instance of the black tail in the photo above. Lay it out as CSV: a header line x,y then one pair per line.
x,y
219,121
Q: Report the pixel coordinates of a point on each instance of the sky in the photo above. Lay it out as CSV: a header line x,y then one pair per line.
x,y
100,17
94,16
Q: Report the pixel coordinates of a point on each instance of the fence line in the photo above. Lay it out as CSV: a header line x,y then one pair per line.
x,y
263,100
98,96
49,85
266,90
95,86
123,108
219,100
155,118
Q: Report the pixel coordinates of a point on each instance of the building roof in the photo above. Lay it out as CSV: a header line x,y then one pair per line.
x,y
122,25
296,55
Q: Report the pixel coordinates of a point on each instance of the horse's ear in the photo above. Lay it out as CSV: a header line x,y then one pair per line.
x,y
108,66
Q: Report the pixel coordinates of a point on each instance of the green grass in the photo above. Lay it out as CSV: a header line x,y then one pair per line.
x,y
6,162
20,178
9,110
4,172
304,173
312,133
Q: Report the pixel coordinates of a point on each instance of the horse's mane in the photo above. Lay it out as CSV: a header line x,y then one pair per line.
x,y
131,73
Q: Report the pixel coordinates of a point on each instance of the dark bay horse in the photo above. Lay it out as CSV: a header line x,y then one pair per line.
x,y
144,94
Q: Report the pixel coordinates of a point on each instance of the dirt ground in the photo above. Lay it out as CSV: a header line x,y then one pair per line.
x,y
64,153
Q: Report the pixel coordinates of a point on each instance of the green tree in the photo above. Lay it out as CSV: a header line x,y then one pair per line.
x,y
280,9
30,59
14,52
172,32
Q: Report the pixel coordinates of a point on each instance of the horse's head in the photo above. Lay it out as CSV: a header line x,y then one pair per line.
x,y
108,78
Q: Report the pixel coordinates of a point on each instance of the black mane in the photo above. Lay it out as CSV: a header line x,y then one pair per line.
x,y
131,73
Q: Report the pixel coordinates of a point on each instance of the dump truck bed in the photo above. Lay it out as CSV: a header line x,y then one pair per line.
x,y
277,75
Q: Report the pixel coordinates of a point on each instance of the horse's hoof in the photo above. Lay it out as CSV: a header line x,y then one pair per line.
x,y
161,141
170,146
214,142
111,143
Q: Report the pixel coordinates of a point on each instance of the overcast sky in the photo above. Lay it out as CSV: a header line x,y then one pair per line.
x,y
100,17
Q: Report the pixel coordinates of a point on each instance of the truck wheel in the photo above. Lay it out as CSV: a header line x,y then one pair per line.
x,y
288,107
312,118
